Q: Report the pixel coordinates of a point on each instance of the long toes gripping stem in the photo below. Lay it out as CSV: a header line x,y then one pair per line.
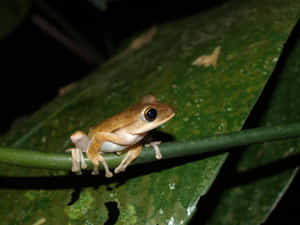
x,y
155,144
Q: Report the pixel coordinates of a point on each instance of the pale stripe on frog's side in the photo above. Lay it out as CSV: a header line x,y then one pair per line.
x,y
108,146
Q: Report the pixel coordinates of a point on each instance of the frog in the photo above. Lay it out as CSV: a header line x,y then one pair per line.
x,y
123,132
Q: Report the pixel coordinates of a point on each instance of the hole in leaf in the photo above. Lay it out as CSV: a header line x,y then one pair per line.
x,y
74,196
113,212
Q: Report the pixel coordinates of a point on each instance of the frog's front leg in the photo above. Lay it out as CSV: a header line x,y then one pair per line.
x,y
155,144
95,147
131,155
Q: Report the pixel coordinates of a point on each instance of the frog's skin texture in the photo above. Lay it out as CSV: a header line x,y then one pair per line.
x,y
120,133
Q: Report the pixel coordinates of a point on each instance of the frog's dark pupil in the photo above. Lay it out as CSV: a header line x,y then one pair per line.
x,y
151,114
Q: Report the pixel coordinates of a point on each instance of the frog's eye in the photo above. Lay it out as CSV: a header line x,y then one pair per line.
x,y
150,114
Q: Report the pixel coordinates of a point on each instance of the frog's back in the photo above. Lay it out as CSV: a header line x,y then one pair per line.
x,y
118,121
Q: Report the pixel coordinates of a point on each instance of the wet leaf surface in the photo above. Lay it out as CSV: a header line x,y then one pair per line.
x,y
253,181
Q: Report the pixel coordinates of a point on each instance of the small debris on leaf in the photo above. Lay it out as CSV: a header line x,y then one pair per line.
x,y
208,60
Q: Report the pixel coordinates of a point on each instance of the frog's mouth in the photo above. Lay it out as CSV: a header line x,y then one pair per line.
x,y
167,119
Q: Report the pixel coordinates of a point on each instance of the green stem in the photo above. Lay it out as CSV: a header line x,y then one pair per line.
x,y
29,158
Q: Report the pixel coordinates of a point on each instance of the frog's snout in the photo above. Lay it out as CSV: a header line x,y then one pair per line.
x,y
171,110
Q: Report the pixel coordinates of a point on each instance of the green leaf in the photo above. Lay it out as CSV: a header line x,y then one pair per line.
x,y
12,13
255,181
100,4
207,100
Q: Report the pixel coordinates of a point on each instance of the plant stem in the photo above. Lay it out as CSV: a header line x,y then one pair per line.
x,y
61,38
29,158
66,33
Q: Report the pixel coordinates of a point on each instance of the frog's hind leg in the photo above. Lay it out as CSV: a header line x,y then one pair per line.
x,y
76,160
80,140
95,147
131,155
102,160
93,154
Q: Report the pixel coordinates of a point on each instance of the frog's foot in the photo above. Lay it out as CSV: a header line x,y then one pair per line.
x,y
82,161
108,174
95,159
120,168
95,171
131,155
119,153
155,144
75,160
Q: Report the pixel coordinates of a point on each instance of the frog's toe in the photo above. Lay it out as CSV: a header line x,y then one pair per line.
x,y
119,169
78,172
95,171
108,174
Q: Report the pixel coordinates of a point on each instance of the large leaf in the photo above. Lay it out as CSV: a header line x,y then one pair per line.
x,y
254,181
208,101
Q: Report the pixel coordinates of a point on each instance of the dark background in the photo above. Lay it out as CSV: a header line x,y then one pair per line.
x,y
35,66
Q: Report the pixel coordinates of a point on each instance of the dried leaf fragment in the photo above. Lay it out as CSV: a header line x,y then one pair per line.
x,y
144,38
66,88
139,42
40,221
208,60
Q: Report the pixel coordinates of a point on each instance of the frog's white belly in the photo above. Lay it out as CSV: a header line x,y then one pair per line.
x,y
108,146
112,147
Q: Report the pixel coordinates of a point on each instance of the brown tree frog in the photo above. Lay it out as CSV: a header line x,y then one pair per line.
x,y
120,133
